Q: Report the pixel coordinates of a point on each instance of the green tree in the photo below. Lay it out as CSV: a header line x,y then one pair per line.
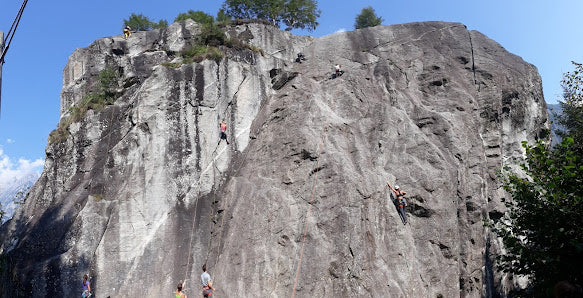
x,y
301,14
572,105
138,22
240,9
198,16
367,18
222,17
161,24
541,230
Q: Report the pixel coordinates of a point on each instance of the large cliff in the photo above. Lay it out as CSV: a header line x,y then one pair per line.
x,y
143,192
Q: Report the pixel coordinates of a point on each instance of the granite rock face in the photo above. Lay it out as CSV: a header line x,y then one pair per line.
x,y
296,204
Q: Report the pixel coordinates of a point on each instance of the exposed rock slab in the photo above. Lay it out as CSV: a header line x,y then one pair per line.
x,y
145,190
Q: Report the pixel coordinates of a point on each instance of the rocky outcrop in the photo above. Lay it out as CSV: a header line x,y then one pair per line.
x,y
145,190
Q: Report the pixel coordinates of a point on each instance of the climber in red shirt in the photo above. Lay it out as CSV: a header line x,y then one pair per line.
x,y
223,129
400,202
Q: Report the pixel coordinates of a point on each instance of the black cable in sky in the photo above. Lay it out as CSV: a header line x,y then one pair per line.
x,y
10,34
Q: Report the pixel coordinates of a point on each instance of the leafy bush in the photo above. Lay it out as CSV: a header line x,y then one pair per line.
x,y
140,22
197,50
198,16
237,44
199,53
214,54
161,24
105,95
211,35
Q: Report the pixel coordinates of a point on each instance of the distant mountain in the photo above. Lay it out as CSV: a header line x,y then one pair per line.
x,y
9,192
554,110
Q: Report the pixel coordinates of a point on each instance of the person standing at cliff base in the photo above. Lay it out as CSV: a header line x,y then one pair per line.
x,y
179,293
86,287
401,203
207,285
223,129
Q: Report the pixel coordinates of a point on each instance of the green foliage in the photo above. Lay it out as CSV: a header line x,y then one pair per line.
x,y
197,54
301,14
198,16
140,22
108,83
367,18
237,44
211,35
105,94
173,64
161,24
222,17
572,105
240,9
542,230
293,13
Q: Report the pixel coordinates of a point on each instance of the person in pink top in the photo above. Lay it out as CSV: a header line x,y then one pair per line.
x,y
223,129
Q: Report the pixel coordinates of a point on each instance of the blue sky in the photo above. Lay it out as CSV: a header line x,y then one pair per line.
x,y
548,34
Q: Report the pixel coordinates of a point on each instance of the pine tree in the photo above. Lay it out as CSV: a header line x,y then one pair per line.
x,y
367,18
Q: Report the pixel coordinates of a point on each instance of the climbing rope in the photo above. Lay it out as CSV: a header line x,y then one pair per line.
x,y
315,180
194,213
213,164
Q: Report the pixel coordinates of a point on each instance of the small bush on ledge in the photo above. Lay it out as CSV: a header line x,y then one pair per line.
x,y
106,95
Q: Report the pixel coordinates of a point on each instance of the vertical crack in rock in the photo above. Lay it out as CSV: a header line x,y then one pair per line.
x,y
473,60
199,97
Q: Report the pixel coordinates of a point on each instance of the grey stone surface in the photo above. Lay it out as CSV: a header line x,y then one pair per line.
x,y
143,193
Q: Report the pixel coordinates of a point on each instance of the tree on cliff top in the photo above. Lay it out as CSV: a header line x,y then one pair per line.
x,y
198,16
542,230
296,14
140,22
367,18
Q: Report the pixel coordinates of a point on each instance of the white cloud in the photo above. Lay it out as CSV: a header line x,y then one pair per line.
x,y
9,141
340,30
12,172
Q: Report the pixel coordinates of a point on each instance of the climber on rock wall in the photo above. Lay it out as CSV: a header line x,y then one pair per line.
x,y
400,202
223,132
337,71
